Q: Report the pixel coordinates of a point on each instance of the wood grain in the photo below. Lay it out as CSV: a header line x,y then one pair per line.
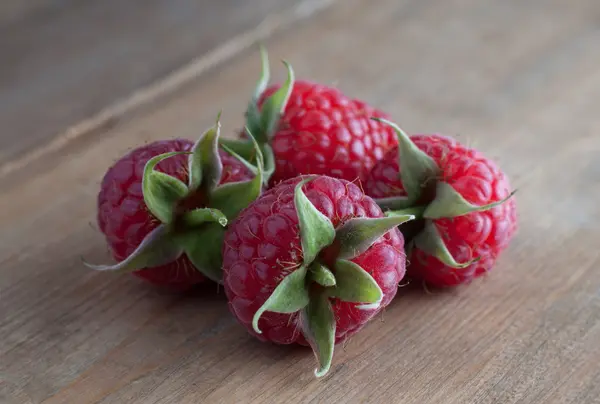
x,y
63,61
517,79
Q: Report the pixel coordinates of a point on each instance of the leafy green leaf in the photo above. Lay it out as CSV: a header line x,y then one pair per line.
x,y
356,285
265,74
358,234
161,191
246,158
430,242
253,115
316,230
157,248
416,167
200,216
241,159
320,274
318,326
205,165
203,248
243,148
269,159
449,203
290,296
274,106
233,197
254,121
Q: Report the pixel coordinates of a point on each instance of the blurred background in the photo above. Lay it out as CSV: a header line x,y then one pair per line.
x,y
64,60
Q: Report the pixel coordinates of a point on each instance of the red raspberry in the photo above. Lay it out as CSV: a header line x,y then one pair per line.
x,y
323,131
315,129
263,246
126,220
122,214
480,235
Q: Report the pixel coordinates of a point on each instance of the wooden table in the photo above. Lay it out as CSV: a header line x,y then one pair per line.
x,y
518,79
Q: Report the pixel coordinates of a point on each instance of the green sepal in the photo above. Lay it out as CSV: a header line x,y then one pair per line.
x,y
203,248
253,117
430,241
416,211
358,234
321,275
269,162
274,106
318,326
200,216
265,73
393,202
263,123
450,203
356,285
245,158
316,230
161,191
290,296
242,147
253,121
416,167
157,248
205,166
245,161
233,197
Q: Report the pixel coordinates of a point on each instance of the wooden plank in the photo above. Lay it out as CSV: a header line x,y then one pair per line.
x,y
520,80
63,61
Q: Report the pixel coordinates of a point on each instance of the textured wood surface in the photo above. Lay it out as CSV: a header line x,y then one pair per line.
x,y
64,60
519,80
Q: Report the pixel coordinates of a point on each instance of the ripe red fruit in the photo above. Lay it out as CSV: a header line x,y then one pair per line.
x,y
159,228
316,129
463,200
310,262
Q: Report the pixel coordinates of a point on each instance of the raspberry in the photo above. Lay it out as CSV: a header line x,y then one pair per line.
x,y
460,176
265,246
306,127
323,131
163,229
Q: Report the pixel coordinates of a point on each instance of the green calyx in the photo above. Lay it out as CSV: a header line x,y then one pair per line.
x,y
263,122
192,216
428,198
308,290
